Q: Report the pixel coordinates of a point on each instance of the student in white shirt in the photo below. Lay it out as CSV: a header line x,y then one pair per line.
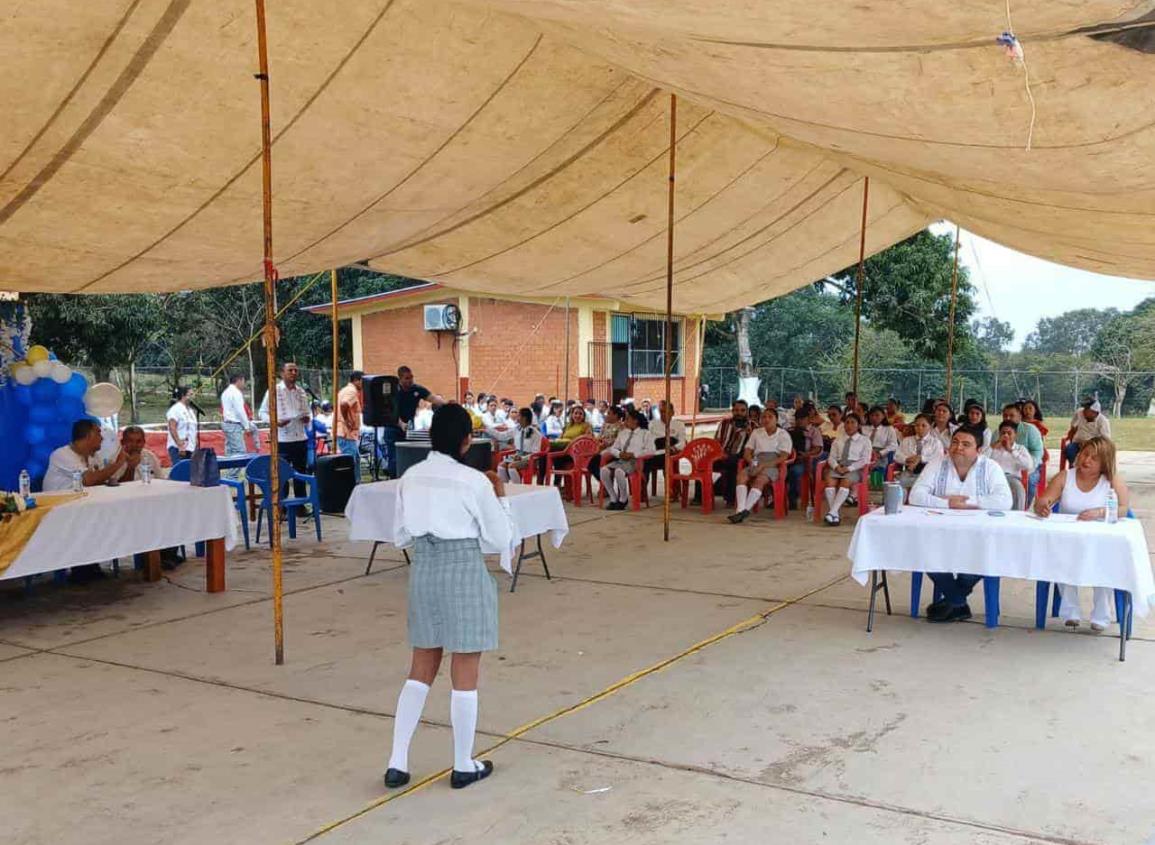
x,y
961,480
767,451
554,425
235,420
633,444
883,436
944,423
424,416
496,425
527,441
182,426
917,450
450,514
1014,459
976,418
595,417
850,455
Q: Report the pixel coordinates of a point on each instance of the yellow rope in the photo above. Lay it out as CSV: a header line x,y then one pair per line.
x,y
738,628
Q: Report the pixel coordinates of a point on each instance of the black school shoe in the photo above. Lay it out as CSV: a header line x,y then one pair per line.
x,y
395,778
951,614
460,780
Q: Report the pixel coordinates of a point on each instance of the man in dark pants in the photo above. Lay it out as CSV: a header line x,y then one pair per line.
x,y
292,417
409,393
732,434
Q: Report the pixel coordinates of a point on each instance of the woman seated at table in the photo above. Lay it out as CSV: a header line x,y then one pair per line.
x,y
1014,459
850,455
1082,490
917,450
527,441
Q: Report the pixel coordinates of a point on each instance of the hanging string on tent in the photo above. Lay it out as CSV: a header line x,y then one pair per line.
x,y
1014,51
271,276
860,281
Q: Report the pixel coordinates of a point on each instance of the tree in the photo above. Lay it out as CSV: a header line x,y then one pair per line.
x,y
1072,333
992,336
907,289
1124,347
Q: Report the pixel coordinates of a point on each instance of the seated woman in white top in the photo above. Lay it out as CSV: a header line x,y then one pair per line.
x,y
527,441
767,450
944,423
883,436
1082,490
917,450
976,418
450,514
633,444
553,425
850,455
1014,459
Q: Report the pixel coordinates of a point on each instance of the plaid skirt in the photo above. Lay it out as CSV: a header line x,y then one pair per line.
x,y
452,596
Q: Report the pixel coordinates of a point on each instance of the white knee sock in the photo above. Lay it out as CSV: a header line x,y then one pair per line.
x,y
463,716
739,498
752,499
839,498
410,703
829,493
607,478
622,484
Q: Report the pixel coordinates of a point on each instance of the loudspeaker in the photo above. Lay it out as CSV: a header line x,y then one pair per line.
x,y
335,479
380,400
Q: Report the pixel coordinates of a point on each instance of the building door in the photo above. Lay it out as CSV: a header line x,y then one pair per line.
x,y
620,369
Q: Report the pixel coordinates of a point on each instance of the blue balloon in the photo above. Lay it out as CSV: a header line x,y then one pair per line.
x,y
36,468
75,387
42,451
23,393
43,413
44,390
35,434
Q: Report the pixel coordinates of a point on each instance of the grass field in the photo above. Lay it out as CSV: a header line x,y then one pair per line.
x,y
1131,434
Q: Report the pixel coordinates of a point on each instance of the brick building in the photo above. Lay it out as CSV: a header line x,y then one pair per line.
x,y
515,346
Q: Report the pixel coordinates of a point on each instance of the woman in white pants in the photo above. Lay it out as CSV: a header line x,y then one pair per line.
x,y
1082,490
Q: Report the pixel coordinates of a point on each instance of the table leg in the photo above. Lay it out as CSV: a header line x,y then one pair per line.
x,y
873,597
252,498
215,565
152,565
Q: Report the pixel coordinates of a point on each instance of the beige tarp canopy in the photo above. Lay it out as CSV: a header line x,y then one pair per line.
x,y
518,146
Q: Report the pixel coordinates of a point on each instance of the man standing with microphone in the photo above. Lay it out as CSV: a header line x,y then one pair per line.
x,y
292,417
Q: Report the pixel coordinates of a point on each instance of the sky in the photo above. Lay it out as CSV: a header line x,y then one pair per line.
x,y
1019,289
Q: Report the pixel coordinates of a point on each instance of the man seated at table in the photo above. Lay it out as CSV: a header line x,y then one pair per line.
x,y
961,480
80,456
136,456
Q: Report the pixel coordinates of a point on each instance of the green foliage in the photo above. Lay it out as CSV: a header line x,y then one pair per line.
x,y
1072,333
102,331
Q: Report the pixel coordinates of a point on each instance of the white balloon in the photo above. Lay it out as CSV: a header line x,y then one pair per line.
x,y
61,373
43,369
103,400
24,375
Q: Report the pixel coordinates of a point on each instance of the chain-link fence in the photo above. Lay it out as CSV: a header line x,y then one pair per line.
x,y
1058,392
149,389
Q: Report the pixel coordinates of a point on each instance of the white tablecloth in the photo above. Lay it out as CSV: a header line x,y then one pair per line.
x,y
1058,549
535,510
118,522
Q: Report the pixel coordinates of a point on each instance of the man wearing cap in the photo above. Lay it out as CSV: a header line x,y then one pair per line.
x,y
1088,422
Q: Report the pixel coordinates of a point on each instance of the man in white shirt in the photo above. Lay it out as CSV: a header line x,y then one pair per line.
x,y
136,456
80,456
962,480
1088,422
767,451
235,420
293,414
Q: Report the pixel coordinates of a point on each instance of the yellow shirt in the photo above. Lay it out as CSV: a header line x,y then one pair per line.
x,y
575,430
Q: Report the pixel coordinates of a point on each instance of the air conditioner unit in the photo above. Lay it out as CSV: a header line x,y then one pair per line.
x,y
442,318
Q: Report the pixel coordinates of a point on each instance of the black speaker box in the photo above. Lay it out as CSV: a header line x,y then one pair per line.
x,y
335,479
380,400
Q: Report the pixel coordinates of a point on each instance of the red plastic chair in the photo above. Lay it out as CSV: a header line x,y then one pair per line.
x,y
637,480
778,488
702,454
579,451
861,490
1043,471
807,491
1062,454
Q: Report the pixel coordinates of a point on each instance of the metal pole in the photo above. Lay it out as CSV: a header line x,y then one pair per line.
x,y
565,395
950,322
700,338
860,280
668,460
336,354
271,337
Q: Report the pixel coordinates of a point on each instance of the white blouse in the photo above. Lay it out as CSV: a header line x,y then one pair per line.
x,y
677,431
860,451
451,501
927,449
1015,460
639,441
528,440
763,443
186,426
882,437
553,426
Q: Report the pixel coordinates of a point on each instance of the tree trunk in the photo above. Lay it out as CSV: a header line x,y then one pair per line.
x,y
252,379
1120,395
748,381
133,411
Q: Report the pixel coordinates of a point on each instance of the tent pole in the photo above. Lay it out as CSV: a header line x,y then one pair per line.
x,y
336,353
271,337
700,338
950,322
565,393
860,277
669,353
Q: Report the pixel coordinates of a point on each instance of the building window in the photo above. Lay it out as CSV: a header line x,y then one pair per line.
x,y
648,347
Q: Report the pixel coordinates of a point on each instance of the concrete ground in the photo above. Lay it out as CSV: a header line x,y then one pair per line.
x,y
718,688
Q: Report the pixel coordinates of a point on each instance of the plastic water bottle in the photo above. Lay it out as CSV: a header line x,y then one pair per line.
x,y
810,513
77,481
1112,507
25,484
145,473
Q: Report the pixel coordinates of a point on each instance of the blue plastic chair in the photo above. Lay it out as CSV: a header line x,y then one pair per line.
x,y
1043,597
257,472
990,597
